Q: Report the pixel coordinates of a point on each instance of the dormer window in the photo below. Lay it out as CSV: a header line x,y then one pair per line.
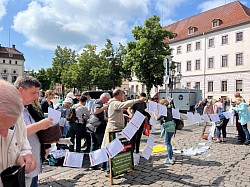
x,y
216,23
191,30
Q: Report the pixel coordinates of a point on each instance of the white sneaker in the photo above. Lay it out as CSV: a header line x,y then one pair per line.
x,y
169,161
173,158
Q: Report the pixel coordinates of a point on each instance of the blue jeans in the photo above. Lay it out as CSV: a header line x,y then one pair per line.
x,y
222,128
245,130
168,137
34,182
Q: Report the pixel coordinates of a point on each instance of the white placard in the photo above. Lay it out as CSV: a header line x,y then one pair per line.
x,y
129,131
114,148
152,120
73,159
206,118
55,115
99,156
162,110
190,116
214,117
147,152
137,119
176,113
151,141
152,106
58,153
228,115
65,141
197,117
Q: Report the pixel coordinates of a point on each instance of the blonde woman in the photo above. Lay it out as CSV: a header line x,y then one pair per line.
x,y
47,103
169,126
208,109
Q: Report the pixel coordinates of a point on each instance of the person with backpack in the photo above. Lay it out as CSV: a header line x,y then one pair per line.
x,y
169,129
77,117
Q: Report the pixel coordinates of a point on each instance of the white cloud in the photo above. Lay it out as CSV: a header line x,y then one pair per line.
x,y
78,22
3,4
207,5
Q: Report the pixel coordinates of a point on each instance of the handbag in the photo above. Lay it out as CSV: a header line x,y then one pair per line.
x,y
146,128
13,176
50,135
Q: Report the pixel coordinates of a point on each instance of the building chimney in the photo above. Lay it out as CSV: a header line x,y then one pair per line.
x,y
14,46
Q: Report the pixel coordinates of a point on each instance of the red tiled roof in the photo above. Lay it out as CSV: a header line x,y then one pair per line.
x,y
14,53
230,14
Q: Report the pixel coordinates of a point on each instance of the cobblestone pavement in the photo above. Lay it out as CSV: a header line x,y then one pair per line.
x,y
227,165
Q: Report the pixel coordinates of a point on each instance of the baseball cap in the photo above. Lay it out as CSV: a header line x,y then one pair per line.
x,y
71,95
67,100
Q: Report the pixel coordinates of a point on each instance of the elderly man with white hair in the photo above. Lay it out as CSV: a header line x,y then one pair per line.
x,y
15,148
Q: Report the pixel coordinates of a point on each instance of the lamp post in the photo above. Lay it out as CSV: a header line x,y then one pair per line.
x,y
166,63
175,77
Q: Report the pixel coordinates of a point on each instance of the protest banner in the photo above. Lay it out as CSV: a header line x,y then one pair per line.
x,y
124,161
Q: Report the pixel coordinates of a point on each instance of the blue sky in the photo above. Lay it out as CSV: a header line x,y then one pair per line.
x,y
36,27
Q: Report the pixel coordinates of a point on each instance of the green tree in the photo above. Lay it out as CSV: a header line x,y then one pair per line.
x,y
145,55
111,62
42,76
61,62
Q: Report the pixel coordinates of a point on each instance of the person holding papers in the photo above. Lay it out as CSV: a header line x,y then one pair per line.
x,y
137,137
168,125
219,108
208,109
244,117
115,113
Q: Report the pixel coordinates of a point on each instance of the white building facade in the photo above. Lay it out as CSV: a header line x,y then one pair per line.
x,y
11,63
213,52
217,63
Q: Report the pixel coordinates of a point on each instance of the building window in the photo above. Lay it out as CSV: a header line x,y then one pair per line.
x,y
197,45
188,65
14,77
197,85
211,62
191,30
4,71
239,36
239,59
239,85
4,61
224,40
224,86
136,88
224,61
15,62
216,23
210,97
178,67
188,84
210,86
197,64
5,77
179,50
211,42
188,47
9,61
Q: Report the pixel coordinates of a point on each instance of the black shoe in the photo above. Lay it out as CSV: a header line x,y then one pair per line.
x,y
246,142
102,169
107,174
93,168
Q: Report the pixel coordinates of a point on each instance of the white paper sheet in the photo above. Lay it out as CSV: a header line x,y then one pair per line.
x,y
197,117
152,120
176,113
189,152
162,110
99,156
73,159
212,130
114,148
206,118
55,115
190,117
202,143
214,117
151,141
65,141
147,152
137,119
129,131
58,153
228,115
152,106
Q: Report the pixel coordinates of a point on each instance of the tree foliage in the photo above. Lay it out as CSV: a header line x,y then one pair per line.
x,y
146,54
42,76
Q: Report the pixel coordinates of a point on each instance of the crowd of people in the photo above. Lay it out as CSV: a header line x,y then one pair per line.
x,y
238,107
23,116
